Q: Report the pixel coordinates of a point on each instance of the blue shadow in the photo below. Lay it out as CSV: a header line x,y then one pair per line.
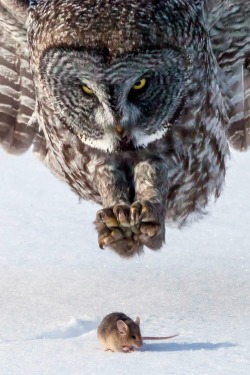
x,y
165,347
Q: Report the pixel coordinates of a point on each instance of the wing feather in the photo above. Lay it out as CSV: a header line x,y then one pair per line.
x,y
229,27
17,98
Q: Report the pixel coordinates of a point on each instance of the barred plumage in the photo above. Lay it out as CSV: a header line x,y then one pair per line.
x,y
16,88
229,26
134,103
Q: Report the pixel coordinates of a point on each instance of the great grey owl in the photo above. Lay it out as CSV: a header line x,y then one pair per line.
x,y
130,102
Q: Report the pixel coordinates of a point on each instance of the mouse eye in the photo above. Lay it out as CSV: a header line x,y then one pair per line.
x,y
133,337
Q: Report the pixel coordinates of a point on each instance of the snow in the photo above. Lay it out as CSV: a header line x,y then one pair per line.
x,y
56,285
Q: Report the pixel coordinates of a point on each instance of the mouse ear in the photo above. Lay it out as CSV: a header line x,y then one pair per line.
x,y
137,320
122,327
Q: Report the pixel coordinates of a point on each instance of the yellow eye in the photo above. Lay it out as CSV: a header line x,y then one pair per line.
x,y
140,84
87,90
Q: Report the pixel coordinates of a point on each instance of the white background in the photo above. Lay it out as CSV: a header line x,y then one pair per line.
x,y
56,284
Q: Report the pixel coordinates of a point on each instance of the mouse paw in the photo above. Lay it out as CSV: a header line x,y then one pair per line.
x,y
128,349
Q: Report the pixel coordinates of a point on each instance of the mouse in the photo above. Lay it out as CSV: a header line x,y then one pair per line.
x,y
119,333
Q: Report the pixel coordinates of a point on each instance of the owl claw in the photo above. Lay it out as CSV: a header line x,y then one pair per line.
x,y
135,213
106,238
150,229
114,236
126,229
122,214
107,217
103,234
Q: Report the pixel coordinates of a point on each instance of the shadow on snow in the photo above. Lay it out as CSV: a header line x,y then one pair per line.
x,y
166,347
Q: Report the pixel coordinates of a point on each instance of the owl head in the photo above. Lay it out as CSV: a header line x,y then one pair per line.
x,y
115,73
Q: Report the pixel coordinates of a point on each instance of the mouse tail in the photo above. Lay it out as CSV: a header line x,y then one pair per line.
x,y
159,338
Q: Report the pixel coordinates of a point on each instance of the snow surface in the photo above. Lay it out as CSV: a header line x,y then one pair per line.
x,y
56,284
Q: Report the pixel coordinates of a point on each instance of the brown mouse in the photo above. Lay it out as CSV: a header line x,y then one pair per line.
x,y
119,333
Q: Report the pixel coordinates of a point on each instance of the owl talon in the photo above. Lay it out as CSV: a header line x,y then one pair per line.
x,y
108,238
107,217
126,229
150,229
149,213
101,245
104,233
146,224
121,212
135,213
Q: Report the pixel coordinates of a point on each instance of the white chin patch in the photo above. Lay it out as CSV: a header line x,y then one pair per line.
x,y
110,142
140,139
106,144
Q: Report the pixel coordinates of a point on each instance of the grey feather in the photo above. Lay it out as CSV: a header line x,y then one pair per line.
x,y
16,84
229,24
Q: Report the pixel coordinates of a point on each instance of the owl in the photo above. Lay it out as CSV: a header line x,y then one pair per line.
x,y
132,103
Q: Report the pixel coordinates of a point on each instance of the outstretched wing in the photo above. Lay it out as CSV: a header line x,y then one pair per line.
x,y
229,24
17,100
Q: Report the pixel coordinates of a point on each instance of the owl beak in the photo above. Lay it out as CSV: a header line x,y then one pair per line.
x,y
120,130
124,140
